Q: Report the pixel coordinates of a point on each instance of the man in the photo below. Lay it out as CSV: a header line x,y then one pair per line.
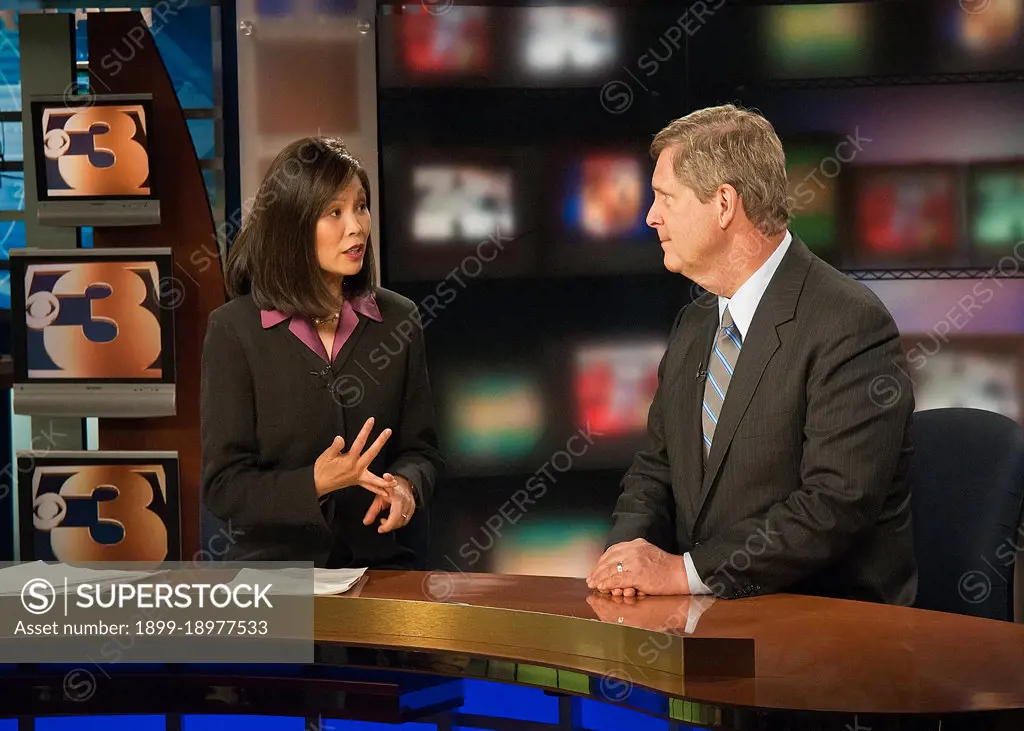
x,y
778,440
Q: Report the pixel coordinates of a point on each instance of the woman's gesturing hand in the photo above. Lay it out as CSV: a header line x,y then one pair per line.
x,y
335,469
401,504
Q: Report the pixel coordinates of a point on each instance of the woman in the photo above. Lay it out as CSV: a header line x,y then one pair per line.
x,y
317,444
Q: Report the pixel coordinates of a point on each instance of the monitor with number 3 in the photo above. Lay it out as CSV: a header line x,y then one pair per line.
x,y
93,160
85,507
92,332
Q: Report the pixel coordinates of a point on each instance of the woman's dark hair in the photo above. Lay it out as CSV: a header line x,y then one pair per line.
x,y
274,255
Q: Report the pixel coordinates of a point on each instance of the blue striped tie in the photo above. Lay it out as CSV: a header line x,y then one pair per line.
x,y
720,368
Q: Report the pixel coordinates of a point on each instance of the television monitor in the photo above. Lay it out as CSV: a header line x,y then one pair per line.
x,y
459,214
461,202
565,543
93,506
603,200
614,384
993,28
996,206
906,214
966,376
494,417
817,40
448,41
93,332
607,196
94,163
814,195
563,43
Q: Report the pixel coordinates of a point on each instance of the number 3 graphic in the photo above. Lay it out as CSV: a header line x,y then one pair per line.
x,y
137,343
145,535
131,161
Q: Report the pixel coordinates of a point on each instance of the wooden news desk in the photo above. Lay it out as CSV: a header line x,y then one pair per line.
x,y
398,645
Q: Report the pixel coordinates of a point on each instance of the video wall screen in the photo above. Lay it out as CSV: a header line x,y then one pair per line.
x,y
906,215
970,372
996,206
520,212
544,349
825,39
467,45
589,396
584,212
843,40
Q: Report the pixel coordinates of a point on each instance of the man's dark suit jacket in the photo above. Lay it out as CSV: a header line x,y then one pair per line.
x,y
806,487
270,406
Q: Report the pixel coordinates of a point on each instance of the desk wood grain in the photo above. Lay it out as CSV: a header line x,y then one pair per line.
x,y
811,654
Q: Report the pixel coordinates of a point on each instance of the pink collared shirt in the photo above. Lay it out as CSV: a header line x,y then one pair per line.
x,y
303,329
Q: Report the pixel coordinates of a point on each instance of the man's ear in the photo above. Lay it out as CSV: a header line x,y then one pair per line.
x,y
728,205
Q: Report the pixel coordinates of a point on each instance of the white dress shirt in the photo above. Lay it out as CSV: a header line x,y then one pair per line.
x,y
742,307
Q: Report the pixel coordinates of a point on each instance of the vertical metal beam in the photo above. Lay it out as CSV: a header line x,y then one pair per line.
x,y
47,48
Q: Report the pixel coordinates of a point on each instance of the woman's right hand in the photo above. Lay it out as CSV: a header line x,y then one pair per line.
x,y
335,469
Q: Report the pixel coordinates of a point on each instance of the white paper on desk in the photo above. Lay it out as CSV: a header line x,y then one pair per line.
x,y
297,581
14,578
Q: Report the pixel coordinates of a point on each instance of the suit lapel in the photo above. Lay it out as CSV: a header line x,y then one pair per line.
x,y
349,347
760,345
691,388
291,340
777,306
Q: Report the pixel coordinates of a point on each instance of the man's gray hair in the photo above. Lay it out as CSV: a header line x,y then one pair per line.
x,y
730,145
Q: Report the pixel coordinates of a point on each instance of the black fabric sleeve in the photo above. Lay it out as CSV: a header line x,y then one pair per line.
x,y
417,455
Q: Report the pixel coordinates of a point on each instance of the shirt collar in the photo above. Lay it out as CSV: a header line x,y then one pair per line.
x,y
364,304
743,303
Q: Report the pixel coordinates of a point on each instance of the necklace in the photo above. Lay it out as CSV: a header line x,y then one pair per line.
x,y
324,320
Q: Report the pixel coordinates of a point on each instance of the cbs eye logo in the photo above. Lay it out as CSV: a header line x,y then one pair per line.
x,y
96,151
79,526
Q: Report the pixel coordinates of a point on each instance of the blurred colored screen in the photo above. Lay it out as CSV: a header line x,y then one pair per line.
x,y
812,195
607,196
100,508
906,211
964,379
496,417
461,203
615,384
998,211
815,40
452,42
551,546
988,26
93,320
95,151
562,41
